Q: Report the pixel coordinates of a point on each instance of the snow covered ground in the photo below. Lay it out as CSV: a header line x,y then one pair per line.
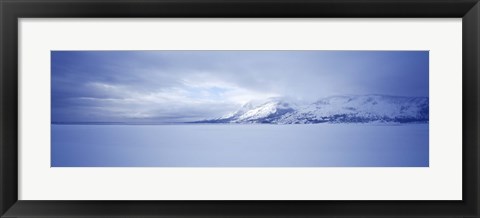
x,y
237,145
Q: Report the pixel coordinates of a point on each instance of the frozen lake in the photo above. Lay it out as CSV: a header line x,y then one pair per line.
x,y
219,145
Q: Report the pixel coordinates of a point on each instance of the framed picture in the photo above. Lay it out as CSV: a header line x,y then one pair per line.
x,y
226,108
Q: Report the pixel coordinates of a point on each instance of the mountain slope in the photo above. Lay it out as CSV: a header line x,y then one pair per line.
x,y
336,109
361,109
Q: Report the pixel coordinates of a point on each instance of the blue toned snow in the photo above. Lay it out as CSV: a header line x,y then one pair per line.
x,y
227,145
236,108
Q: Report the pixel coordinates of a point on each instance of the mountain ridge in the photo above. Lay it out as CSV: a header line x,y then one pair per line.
x,y
333,109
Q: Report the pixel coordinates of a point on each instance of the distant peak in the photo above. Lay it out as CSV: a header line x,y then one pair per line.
x,y
333,109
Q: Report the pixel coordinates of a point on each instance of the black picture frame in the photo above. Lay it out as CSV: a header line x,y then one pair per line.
x,y
12,10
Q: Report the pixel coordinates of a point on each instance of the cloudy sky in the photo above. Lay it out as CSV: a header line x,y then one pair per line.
x,y
177,86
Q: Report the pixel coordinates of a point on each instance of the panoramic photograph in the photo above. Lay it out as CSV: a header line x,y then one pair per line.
x,y
239,108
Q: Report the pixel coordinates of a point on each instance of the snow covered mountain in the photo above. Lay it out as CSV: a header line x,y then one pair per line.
x,y
336,109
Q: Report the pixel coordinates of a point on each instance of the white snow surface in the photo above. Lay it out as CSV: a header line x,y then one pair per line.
x,y
254,145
